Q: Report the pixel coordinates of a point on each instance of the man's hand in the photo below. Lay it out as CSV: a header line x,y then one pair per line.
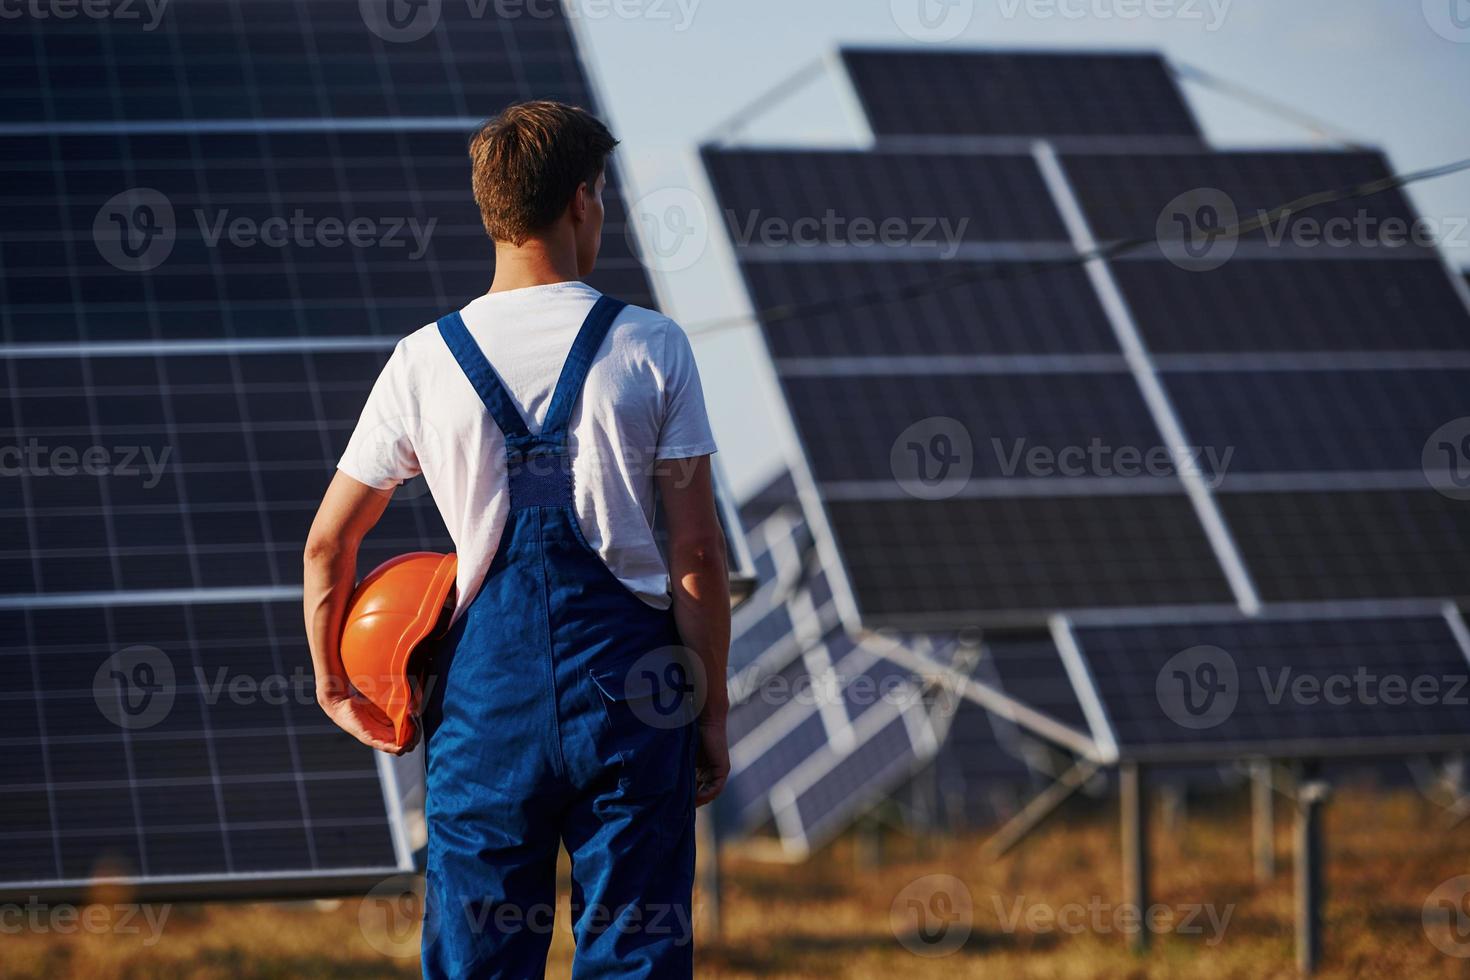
x,y
364,721
712,763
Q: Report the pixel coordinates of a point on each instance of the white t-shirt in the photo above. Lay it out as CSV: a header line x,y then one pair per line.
x,y
642,402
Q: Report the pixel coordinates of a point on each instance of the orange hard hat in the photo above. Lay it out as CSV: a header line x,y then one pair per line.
x,y
392,618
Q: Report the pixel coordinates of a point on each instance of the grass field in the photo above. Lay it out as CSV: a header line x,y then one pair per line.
x,y
831,916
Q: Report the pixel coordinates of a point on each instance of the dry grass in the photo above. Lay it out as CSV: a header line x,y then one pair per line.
x,y
830,917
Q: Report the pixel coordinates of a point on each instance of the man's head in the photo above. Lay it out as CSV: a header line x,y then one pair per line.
x,y
538,175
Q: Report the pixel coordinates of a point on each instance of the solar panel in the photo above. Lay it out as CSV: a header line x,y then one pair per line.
x,y
844,198
1338,543
211,776
1126,195
932,564
1252,306
216,226
1035,94
991,308
1014,373
1281,687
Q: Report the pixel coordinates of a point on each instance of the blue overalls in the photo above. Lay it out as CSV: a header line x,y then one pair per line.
x,y
549,721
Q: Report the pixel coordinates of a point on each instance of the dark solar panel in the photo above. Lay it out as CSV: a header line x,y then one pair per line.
x,y
869,202
990,308
206,474
248,235
1029,669
1249,305
1351,544
858,780
982,93
966,559
1124,196
1281,687
1315,421
1025,426
229,767
273,59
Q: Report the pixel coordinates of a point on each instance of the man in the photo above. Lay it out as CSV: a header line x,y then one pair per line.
x,y
544,416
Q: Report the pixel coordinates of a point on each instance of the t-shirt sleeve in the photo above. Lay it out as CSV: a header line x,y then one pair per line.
x,y
381,452
686,429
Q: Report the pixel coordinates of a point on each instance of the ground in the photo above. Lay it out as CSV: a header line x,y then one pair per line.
x,y
1046,910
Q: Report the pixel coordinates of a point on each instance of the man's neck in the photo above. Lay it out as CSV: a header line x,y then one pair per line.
x,y
536,263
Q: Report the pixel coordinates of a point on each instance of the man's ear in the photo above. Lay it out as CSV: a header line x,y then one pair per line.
x,y
581,201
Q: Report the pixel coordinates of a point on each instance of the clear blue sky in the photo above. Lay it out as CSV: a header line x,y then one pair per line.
x,y
671,70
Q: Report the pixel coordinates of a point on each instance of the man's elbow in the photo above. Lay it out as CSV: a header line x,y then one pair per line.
x,y
324,550
700,555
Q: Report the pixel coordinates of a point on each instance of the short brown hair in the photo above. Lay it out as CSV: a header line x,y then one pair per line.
x,y
530,160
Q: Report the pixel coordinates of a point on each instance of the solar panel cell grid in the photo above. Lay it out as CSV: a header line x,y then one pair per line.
x,y
1011,421
1310,681
1249,306
213,783
1314,421
1124,196
999,308
1029,669
923,204
1351,544
984,93
962,558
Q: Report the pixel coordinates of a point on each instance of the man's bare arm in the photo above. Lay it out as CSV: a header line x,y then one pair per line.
x,y
348,512
699,580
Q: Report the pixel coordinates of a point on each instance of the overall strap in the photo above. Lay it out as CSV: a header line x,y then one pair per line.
x,y
574,371
486,383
